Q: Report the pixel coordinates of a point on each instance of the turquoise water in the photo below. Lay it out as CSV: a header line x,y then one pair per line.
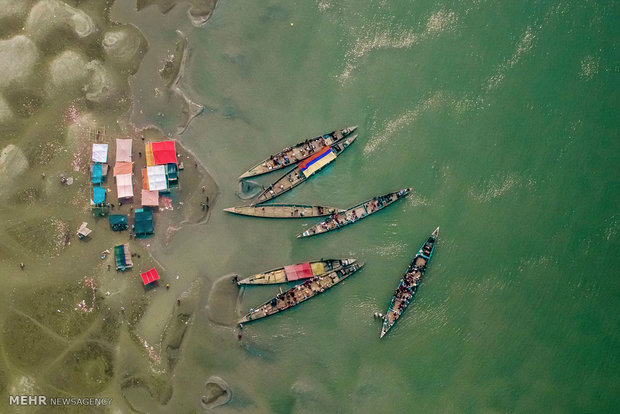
x,y
502,117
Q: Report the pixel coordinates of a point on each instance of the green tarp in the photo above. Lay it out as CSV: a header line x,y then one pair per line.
x,y
118,222
143,222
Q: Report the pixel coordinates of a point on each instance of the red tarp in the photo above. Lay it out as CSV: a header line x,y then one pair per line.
x,y
298,271
164,152
149,276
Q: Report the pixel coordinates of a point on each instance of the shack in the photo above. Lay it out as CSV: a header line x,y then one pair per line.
x,y
143,223
122,257
118,222
149,276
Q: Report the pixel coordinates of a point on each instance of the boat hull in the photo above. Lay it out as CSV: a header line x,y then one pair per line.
x,y
409,283
355,213
296,272
300,293
292,155
283,211
298,174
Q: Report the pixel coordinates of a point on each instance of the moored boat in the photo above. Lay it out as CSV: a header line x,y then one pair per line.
x,y
304,170
301,293
355,213
283,211
409,283
292,155
300,271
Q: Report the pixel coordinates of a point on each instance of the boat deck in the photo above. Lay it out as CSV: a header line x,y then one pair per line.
x,y
354,214
283,211
292,155
300,293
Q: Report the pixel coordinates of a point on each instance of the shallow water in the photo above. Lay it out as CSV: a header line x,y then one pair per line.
x,y
501,117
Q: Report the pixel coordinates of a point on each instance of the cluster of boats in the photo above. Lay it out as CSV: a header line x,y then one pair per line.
x,y
315,277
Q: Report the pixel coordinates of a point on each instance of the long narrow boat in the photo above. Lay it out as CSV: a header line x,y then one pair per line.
x,y
292,155
355,213
409,283
304,170
301,293
300,271
283,211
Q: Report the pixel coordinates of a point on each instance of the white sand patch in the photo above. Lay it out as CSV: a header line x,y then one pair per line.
x,y
49,15
13,163
18,56
68,71
13,8
6,114
123,45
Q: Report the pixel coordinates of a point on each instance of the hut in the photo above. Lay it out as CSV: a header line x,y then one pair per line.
x,y
118,222
150,198
122,257
124,186
149,276
156,178
83,232
123,150
143,223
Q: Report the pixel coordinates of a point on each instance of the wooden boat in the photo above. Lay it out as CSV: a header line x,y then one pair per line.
x,y
409,283
292,155
301,293
355,213
283,211
296,272
304,170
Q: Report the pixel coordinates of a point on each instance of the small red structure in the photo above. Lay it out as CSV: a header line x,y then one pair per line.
x,y
149,276
164,152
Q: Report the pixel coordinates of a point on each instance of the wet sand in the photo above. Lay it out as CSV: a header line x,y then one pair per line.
x,y
72,325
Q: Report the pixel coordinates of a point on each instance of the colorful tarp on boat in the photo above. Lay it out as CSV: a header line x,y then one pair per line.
x,y
150,198
123,168
164,152
143,222
298,271
149,276
100,152
98,195
317,161
96,174
157,177
124,186
123,150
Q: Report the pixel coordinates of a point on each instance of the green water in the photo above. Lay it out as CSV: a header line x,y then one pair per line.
x,y
503,117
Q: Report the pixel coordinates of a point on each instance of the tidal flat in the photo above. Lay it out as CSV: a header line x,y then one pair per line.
x,y
71,324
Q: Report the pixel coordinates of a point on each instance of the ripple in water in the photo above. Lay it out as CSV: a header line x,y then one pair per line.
x,y
392,37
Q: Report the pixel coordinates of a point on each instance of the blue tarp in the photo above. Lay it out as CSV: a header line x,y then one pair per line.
x,y
98,195
97,175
